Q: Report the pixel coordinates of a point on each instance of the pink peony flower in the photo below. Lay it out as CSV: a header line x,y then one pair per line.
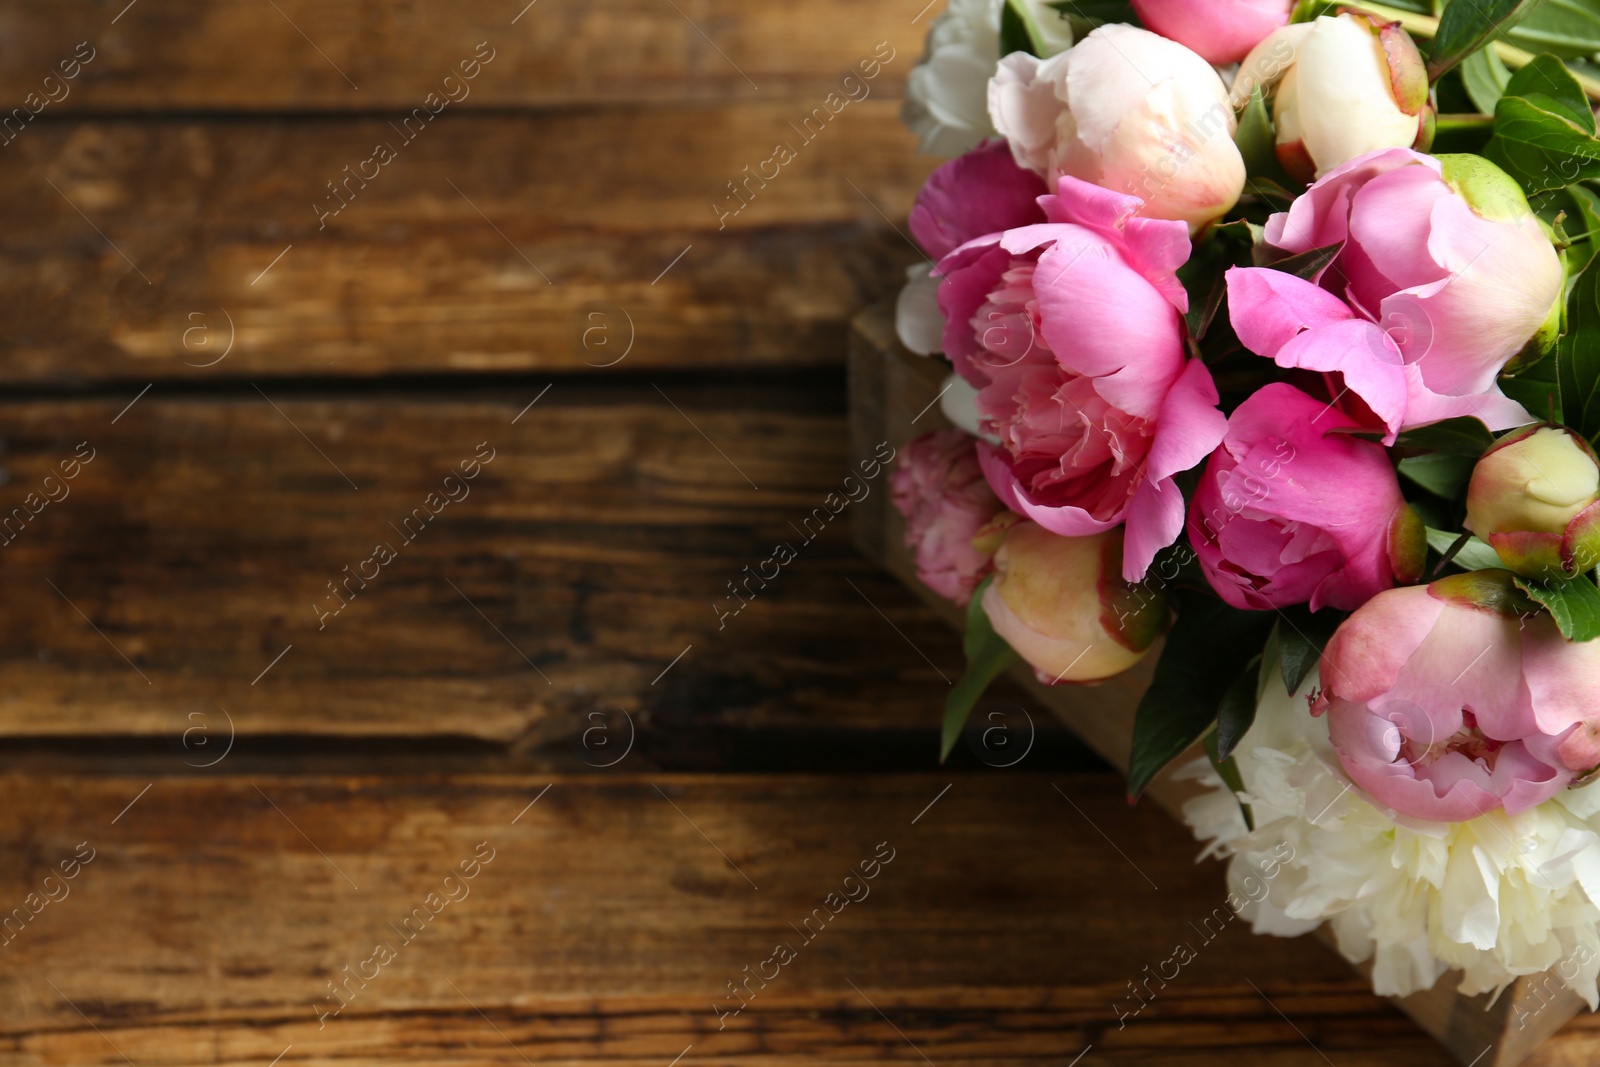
x,y
1442,276
940,490
980,193
1130,111
1222,31
1445,701
1289,512
1071,331
1061,604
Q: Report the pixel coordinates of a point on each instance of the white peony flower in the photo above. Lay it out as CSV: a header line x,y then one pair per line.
x,y
917,318
1496,897
948,92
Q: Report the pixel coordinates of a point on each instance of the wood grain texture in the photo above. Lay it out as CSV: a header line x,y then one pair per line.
x,y
598,543
387,54
606,926
894,395
146,249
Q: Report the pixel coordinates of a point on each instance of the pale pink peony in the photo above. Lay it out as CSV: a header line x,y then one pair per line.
x,y
1289,511
1221,31
1448,701
1130,111
940,490
1428,297
1071,330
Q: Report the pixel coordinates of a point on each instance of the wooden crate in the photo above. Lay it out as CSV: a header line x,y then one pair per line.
x,y
892,398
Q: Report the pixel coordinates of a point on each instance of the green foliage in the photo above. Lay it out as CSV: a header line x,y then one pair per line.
x,y
1017,32
1439,473
1460,436
1301,635
1204,276
1237,712
1486,77
1578,356
1574,603
1464,550
1467,26
1544,131
988,656
1207,648
1567,28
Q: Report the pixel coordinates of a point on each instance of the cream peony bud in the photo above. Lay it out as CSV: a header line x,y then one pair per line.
x,y
1062,604
1533,497
1347,86
1128,111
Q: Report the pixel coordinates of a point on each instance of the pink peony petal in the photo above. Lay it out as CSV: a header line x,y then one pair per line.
x,y
980,193
1269,308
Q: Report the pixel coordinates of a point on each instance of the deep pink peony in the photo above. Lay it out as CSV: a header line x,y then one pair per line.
x,y
1071,331
1289,512
980,193
1222,31
940,490
1444,703
1428,297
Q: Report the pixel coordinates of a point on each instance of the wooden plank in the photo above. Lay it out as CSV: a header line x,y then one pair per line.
x,y
611,918
892,388
599,543
389,54
147,250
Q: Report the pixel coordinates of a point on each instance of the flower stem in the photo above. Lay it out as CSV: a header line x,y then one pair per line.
x,y
1427,26
1464,122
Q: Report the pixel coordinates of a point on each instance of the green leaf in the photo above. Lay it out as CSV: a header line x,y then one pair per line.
x,y
1468,26
1302,635
1257,141
988,656
1015,31
1228,771
1092,13
1204,275
1486,77
1538,387
1310,10
1583,228
1439,473
1206,648
1473,555
1237,712
1544,132
1578,355
1460,436
1022,31
1546,76
1568,28
1573,603
1271,658
1306,265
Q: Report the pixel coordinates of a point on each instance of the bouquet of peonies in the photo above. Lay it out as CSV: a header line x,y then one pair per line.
x,y
1275,338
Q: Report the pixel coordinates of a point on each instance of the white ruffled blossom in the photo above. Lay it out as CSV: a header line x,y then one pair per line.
x,y
947,94
1496,897
917,318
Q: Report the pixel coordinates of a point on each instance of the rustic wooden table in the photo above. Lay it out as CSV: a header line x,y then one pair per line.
x,y
365,520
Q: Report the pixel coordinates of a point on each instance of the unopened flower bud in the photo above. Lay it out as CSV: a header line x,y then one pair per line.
x,y
1062,604
1535,497
1354,86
